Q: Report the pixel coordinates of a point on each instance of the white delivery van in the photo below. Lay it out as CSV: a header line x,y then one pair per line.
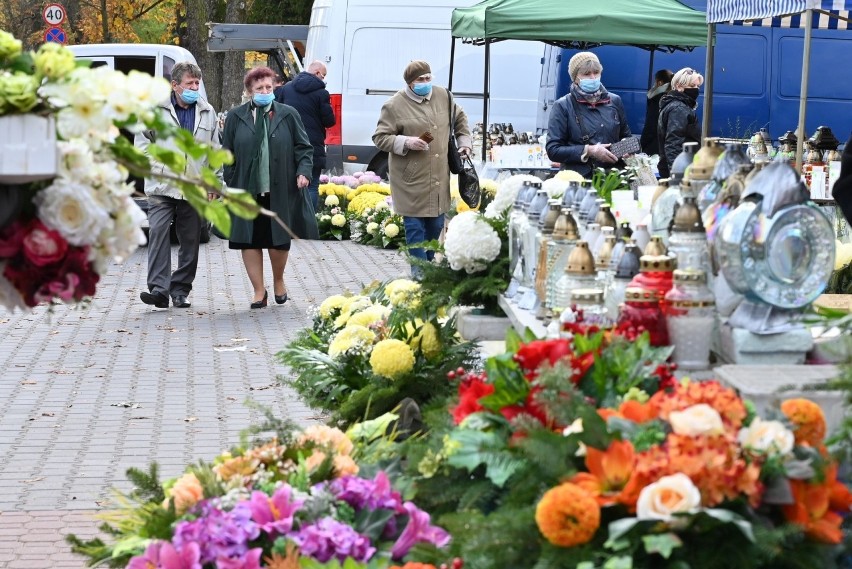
x,y
154,59
366,44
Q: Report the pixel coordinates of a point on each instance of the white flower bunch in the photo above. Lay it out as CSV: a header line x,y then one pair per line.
x,y
506,194
471,243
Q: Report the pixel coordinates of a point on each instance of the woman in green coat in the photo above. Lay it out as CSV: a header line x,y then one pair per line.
x,y
273,159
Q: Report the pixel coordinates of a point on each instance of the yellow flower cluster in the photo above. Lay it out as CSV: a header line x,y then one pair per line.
x,y
349,307
365,200
375,188
333,190
392,359
330,304
402,292
352,337
369,316
427,340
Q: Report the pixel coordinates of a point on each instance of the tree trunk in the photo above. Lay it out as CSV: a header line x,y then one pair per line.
x,y
105,21
234,65
193,37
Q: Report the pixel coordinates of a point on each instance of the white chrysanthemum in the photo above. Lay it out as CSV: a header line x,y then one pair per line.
x,y
471,243
75,159
9,295
555,187
382,206
372,227
391,230
332,200
71,209
147,91
120,240
506,194
338,220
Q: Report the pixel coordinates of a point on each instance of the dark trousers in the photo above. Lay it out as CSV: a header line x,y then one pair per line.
x,y
161,211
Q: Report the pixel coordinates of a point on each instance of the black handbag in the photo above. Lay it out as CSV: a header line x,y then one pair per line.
x,y
453,158
469,184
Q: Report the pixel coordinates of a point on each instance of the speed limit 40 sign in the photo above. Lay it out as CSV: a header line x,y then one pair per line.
x,y
54,14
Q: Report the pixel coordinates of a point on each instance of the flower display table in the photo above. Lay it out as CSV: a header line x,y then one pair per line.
x,y
478,327
521,319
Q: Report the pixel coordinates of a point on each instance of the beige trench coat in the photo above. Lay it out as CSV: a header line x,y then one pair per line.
x,y
419,180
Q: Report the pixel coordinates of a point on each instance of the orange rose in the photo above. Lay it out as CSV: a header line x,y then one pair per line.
x,y
186,492
808,421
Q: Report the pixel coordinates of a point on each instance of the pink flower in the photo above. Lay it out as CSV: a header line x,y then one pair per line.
x,y
274,514
418,530
163,555
249,560
43,246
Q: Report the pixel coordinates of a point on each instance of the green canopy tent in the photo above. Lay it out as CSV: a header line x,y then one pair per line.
x,y
650,24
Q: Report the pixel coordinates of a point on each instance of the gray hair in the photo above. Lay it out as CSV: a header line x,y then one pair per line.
x,y
684,78
182,68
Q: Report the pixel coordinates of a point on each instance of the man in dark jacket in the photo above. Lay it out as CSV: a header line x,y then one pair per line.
x,y
842,190
649,141
678,122
307,94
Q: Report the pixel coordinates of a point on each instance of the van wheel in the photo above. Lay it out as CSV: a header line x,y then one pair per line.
x,y
379,166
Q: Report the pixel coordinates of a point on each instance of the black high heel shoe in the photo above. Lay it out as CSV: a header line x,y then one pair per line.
x,y
280,298
261,303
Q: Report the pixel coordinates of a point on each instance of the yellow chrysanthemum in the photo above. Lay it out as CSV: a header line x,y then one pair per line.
x,y
364,200
392,359
489,187
391,230
349,307
350,338
333,189
338,220
331,304
402,292
427,340
369,315
568,515
569,176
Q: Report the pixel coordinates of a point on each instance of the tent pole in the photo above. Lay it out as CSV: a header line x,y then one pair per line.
x,y
803,94
651,68
485,95
452,61
707,118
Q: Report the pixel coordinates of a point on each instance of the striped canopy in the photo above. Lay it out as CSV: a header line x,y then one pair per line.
x,y
828,14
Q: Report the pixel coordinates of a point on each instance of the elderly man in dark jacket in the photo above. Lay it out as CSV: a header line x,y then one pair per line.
x,y
585,122
678,122
307,94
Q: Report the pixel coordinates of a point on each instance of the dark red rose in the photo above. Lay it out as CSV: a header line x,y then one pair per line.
x,y
43,246
27,278
11,239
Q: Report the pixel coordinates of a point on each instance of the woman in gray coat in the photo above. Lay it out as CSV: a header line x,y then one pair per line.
x,y
273,162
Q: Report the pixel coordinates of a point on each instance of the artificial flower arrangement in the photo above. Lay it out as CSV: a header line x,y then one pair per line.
x,y
366,353
296,500
60,233
587,453
331,217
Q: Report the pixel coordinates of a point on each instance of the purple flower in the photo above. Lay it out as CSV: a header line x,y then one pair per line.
x,y
218,533
274,514
323,178
249,560
361,493
327,538
163,555
418,530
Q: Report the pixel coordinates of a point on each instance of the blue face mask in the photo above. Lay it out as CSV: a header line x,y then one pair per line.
x,y
263,99
589,85
422,89
189,96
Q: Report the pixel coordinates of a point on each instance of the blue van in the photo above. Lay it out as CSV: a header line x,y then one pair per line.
x,y
757,79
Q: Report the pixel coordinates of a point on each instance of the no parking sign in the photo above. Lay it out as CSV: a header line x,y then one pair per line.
x,y
55,35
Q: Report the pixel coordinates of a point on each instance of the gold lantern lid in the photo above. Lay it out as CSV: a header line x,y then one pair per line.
x,y
581,261
565,227
587,295
687,218
662,186
605,254
655,246
639,294
605,217
547,222
689,276
656,263
705,159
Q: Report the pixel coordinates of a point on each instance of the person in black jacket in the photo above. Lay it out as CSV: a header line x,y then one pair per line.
x,y
842,190
307,94
678,122
662,83
585,122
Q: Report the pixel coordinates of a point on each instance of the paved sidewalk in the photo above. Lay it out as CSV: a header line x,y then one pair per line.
x,y
87,393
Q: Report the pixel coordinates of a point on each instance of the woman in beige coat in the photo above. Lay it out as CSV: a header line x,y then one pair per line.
x,y
414,129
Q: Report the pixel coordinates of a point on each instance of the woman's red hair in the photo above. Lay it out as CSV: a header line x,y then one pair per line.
x,y
257,74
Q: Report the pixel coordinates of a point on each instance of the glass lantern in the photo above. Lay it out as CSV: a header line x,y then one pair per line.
x,y
579,273
641,309
691,317
565,236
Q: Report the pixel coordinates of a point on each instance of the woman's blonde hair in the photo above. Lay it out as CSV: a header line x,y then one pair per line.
x,y
685,77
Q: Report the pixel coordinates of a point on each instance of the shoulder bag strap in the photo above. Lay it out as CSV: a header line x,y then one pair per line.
x,y
585,135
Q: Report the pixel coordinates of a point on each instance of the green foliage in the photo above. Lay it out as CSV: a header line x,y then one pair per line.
x,y
840,281
606,181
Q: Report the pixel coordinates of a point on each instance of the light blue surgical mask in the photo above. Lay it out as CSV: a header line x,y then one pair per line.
x,y
589,85
422,89
263,99
189,96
